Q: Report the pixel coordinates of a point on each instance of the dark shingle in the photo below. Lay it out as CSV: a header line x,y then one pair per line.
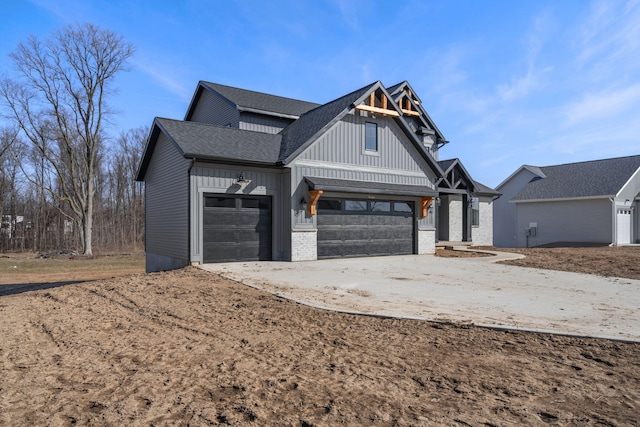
x,y
483,190
446,164
262,101
299,132
585,179
205,141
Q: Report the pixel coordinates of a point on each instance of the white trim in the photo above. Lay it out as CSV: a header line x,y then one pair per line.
x,y
533,169
562,199
633,176
267,113
356,168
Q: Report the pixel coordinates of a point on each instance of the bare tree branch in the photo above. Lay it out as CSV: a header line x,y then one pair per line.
x,y
59,104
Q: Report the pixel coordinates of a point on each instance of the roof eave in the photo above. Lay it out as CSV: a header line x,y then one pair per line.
x,y
267,113
564,199
229,160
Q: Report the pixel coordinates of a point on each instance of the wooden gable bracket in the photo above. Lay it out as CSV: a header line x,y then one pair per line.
x,y
425,202
314,195
371,106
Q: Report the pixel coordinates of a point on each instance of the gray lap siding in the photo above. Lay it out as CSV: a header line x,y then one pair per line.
x,y
167,208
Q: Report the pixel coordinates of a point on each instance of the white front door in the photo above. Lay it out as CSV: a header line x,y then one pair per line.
x,y
623,226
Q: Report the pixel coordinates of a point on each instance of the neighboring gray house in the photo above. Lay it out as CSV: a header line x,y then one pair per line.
x,y
252,176
586,202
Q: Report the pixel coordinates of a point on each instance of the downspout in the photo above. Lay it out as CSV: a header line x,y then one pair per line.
x,y
614,222
193,161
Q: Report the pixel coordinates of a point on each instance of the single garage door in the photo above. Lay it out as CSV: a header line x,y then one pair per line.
x,y
359,228
624,226
236,228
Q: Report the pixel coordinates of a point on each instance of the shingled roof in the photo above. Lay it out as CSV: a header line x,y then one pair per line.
x,y
262,101
597,178
208,142
309,124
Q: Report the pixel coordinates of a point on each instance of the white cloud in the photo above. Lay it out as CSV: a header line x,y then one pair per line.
x,y
160,73
603,104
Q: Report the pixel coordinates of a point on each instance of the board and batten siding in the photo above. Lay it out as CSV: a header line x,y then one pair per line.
x,y
167,208
344,144
213,109
340,154
221,179
261,123
587,221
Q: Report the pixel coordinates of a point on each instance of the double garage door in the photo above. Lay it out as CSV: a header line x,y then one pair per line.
x,y
236,228
360,228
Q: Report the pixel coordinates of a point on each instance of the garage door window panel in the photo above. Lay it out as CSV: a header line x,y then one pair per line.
x,y
355,205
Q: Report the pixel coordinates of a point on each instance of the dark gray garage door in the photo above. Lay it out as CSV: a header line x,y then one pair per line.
x,y
356,228
236,228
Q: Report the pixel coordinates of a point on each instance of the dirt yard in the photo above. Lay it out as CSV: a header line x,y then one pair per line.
x,y
190,348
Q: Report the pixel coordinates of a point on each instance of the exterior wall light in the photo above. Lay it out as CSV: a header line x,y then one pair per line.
x,y
240,179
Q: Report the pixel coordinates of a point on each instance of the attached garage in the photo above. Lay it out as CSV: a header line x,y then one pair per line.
x,y
237,228
354,227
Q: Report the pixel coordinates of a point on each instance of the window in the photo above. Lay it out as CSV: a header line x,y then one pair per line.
x,y
370,136
355,205
380,206
219,202
475,212
329,205
402,207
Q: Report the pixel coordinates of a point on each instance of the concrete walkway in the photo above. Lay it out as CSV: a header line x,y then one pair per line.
x,y
461,290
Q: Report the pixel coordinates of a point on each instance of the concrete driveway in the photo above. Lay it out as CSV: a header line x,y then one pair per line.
x,y
460,290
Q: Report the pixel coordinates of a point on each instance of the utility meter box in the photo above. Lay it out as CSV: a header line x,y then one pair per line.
x,y
532,231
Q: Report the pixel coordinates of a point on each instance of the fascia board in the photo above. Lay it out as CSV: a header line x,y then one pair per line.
x,y
520,169
329,125
315,137
635,178
421,149
266,113
196,96
563,199
156,129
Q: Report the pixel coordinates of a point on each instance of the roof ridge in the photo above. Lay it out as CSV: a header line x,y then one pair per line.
x,y
587,161
258,92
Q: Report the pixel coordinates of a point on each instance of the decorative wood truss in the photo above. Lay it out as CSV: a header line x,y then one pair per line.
x,y
457,178
379,104
408,105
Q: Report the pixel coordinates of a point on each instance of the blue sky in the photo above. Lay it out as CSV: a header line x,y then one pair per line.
x,y
508,82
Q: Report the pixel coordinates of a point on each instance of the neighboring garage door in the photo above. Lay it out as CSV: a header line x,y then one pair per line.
x,y
624,226
236,228
359,228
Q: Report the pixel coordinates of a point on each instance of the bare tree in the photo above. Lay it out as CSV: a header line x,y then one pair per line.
x,y
59,104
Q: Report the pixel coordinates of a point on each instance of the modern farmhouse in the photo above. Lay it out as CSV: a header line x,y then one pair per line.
x,y
586,202
253,176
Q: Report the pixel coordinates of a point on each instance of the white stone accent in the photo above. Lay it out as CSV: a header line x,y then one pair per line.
x,y
427,242
304,245
455,219
483,234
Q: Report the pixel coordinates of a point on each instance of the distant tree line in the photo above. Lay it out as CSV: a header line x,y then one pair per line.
x,y
65,183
